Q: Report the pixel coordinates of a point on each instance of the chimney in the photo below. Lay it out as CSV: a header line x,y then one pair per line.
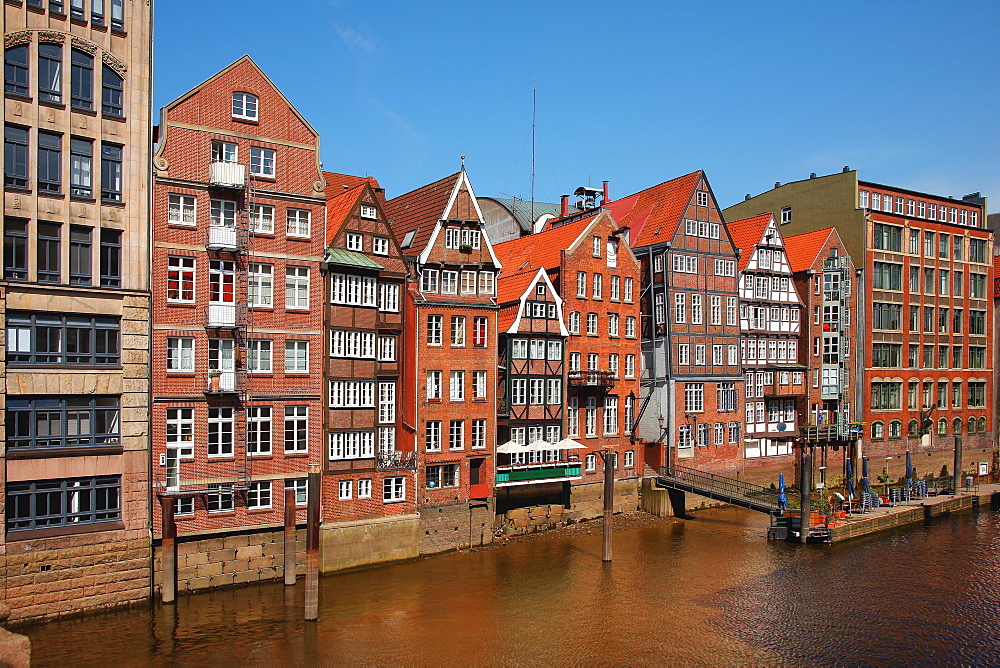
x,y
777,184
747,199
812,175
847,168
606,198
564,206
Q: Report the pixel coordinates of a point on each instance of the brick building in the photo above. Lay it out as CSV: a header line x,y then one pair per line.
x,y
74,295
587,258
692,383
238,229
825,279
369,488
770,311
924,335
453,353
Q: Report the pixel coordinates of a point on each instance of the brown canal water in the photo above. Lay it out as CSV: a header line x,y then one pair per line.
x,y
710,590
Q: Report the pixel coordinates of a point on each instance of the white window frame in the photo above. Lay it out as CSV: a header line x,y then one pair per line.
x,y
262,161
182,209
262,219
298,223
296,288
259,356
245,106
296,356
180,354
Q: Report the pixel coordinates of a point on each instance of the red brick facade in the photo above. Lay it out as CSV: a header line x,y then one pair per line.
x,y
238,222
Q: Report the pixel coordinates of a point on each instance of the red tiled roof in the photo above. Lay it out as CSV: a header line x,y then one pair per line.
x,y
339,207
802,249
747,233
653,214
419,210
509,291
540,250
336,183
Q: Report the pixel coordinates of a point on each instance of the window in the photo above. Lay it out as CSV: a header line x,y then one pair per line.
x,y
220,432
591,324
259,430
590,417
355,242
598,286
433,384
259,494
610,415
479,384
352,290
726,396
15,156
887,276
259,356
245,106
112,92
262,219
296,429
616,288
590,462
885,396
181,209
478,434
486,281
680,308
696,309
694,397
74,422
80,255
81,152
220,500
296,357
456,386
352,343
386,349
393,489
301,487
261,284
456,435
296,287
449,282
581,284
458,330
352,445
434,325
683,353
613,324
297,223
786,215
49,162
262,161
15,61
81,94
977,322
388,297
344,490
977,286
574,322
56,339
180,354
43,504
50,72
380,246
888,237
111,173
15,249
432,436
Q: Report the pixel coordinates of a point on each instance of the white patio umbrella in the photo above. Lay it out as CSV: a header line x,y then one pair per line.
x,y
511,448
570,444
542,445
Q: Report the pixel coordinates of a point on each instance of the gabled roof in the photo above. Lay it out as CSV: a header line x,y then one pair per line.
x,y
654,213
747,233
337,184
510,287
802,249
339,207
420,210
513,293
542,250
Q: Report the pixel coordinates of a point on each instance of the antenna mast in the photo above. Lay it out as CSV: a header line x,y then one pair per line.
x,y
534,92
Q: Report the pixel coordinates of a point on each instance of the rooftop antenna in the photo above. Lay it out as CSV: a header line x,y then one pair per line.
x,y
534,95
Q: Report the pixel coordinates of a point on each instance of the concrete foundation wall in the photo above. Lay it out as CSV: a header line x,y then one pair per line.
x,y
58,581
366,542
204,563
519,521
455,526
587,501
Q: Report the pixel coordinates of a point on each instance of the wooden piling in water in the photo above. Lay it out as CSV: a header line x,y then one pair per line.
x,y
289,536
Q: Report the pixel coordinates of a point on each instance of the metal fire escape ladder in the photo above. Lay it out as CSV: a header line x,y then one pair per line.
x,y
241,332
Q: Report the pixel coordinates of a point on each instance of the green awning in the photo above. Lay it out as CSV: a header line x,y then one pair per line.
x,y
350,258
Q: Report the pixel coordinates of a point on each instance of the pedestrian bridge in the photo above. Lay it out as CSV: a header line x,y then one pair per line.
x,y
735,492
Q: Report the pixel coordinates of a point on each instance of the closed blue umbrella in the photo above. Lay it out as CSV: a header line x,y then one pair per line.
x,y
850,481
782,497
865,485
909,470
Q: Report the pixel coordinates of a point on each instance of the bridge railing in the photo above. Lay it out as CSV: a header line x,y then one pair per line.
x,y
721,484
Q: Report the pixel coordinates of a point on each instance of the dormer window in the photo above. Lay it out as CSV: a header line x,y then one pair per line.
x,y
245,106
369,212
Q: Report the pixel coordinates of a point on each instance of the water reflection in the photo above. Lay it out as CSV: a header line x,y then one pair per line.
x,y
709,590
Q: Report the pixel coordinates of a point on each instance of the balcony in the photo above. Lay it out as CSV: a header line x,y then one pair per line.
x,y
396,460
601,379
480,491
222,237
227,174
222,316
778,390
542,472
224,382
832,432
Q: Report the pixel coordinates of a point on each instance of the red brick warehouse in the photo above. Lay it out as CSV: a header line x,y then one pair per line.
x,y
238,218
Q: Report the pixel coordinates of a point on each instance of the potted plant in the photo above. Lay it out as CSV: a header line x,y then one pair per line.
x,y
214,376
465,248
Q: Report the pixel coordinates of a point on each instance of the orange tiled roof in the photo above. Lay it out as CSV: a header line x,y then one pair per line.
x,y
747,233
509,291
339,207
543,249
419,210
336,183
654,213
802,249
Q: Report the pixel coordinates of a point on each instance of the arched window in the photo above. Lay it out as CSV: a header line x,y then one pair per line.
x,y
956,426
895,429
245,106
15,70
112,92
942,427
982,425
878,430
81,86
972,425
911,428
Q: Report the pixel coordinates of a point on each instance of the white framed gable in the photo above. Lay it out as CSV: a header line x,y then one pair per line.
x,y
540,277
463,178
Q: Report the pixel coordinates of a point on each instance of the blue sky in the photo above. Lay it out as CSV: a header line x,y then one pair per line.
x,y
632,92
